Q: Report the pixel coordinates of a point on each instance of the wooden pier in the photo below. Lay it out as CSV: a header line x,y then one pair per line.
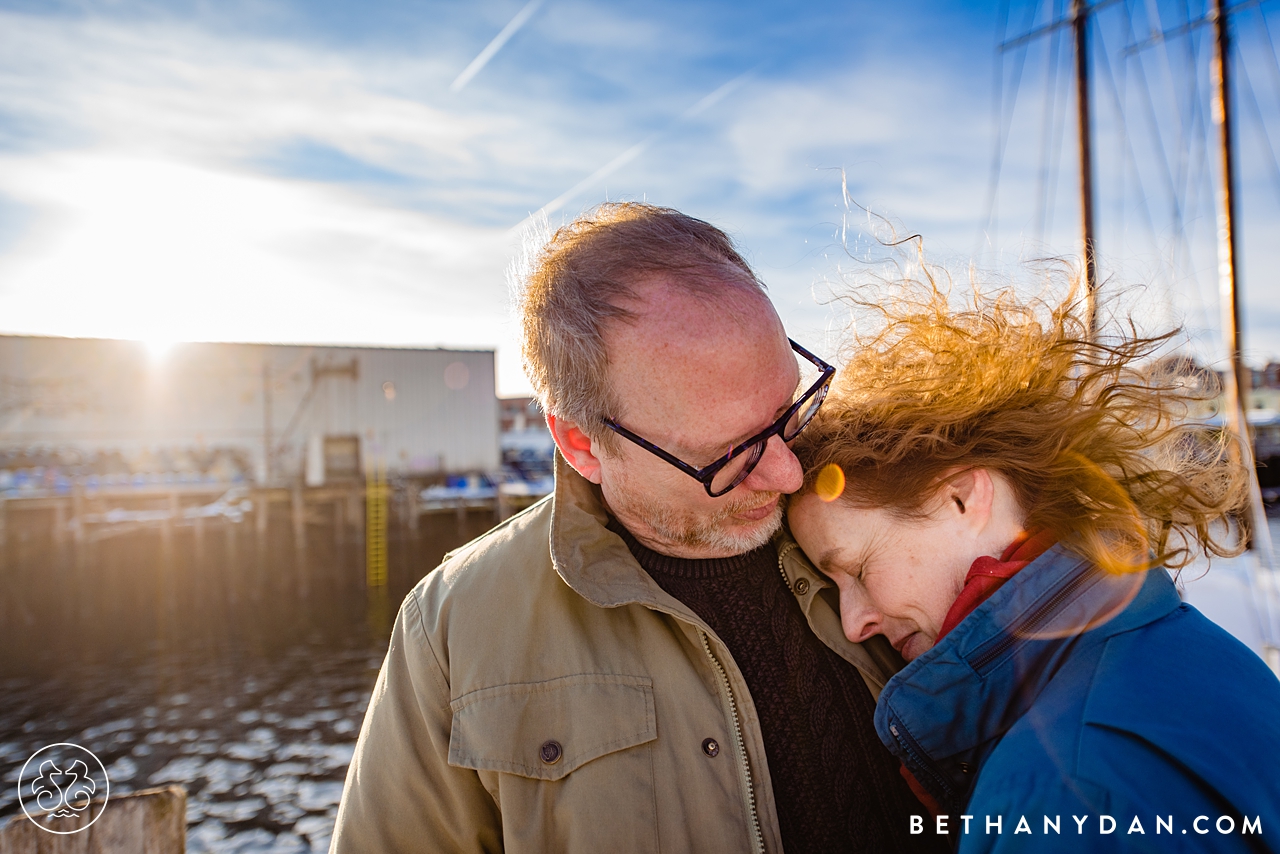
x,y
315,517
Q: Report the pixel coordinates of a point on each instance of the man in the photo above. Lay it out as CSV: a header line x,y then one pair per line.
x,y
642,662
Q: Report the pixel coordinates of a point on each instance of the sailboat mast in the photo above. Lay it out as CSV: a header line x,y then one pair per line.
x,y
1228,281
1079,25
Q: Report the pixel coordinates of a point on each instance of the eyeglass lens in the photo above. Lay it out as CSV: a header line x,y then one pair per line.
x,y
740,466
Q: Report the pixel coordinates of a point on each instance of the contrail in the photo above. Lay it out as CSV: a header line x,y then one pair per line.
x,y
496,45
636,150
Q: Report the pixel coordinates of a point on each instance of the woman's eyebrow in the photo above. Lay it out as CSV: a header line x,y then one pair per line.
x,y
827,558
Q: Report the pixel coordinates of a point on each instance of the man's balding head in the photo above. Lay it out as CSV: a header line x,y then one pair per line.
x,y
595,272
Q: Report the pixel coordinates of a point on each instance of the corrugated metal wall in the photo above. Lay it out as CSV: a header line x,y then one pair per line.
x,y
418,410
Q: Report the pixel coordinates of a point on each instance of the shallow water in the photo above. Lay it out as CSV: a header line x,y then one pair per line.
x,y
246,682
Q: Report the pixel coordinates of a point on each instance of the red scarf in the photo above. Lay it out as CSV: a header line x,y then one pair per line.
x,y
985,577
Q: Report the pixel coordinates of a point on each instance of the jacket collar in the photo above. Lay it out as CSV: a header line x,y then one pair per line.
x,y
594,561
597,564
943,713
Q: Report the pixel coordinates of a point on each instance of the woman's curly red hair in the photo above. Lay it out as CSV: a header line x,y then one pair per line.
x,y
1092,433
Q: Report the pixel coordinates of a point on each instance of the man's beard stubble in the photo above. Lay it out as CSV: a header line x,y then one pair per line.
x,y
714,532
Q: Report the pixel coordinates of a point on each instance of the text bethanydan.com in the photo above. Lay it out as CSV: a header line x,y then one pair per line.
x,y
1083,825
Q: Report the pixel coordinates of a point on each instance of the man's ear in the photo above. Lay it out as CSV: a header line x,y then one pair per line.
x,y
576,447
970,495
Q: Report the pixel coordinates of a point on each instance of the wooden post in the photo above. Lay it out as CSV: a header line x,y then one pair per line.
x,y
339,520
166,529
153,821
299,514
199,532
230,528
261,513
77,512
411,508
60,524
231,566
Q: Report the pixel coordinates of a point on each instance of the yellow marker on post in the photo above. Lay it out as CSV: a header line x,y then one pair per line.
x,y
375,538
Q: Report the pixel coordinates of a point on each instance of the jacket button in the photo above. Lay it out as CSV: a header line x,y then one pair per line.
x,y
550,752
802,586
965,767
711,747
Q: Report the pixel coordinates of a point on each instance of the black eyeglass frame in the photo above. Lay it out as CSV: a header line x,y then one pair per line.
x,y
708,472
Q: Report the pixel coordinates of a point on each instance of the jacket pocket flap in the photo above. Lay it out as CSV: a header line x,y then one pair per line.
x,y
544,730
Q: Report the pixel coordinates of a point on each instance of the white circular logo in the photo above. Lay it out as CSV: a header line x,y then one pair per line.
x,y
61,785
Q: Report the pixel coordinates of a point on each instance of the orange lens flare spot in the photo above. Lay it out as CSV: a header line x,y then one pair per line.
x,y
830,483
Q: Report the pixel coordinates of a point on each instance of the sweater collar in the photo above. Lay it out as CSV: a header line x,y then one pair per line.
x,y
947,707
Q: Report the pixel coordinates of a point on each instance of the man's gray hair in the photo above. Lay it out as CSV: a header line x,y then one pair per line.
x,y
576,283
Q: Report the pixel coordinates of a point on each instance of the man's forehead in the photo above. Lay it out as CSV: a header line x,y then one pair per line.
x,y
692,311
697,374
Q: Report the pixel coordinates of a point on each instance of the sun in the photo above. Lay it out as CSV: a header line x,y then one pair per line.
x,y
158,348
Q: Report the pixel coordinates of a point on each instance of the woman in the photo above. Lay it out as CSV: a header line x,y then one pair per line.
x,y
995,492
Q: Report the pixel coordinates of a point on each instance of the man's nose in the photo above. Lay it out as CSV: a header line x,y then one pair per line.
x,y
859,620
778,469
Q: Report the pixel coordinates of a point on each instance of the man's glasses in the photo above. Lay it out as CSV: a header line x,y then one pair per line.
x,y
738,462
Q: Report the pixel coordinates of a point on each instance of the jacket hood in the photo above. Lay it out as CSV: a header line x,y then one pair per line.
x,y
941,721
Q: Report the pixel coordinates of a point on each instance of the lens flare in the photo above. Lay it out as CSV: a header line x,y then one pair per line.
x,y
830,483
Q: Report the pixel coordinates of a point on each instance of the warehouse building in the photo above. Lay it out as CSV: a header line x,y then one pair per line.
x,y
269,414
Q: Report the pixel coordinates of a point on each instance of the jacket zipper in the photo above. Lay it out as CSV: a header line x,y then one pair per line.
x,y
921,760
1032,620
758,837
781,555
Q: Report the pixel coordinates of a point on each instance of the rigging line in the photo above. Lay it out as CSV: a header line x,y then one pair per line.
x,y
1162,159
1177,254
1197,181
1267,40
1264,140
1126,142
1120,95
1049,115
1153,17
997,158
1060,134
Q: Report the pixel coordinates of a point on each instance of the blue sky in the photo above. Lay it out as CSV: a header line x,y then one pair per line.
x,y
285,171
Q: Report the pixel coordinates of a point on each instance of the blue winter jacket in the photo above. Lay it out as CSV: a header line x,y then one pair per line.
x,y
1080,711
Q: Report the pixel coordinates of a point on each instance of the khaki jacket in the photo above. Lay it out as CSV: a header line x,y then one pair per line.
x,y
556,699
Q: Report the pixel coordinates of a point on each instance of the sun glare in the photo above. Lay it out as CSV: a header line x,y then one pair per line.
x,y
158,348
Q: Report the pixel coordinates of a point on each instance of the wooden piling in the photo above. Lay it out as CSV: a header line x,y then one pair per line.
x,y
153,821
77,513
298,510
199,535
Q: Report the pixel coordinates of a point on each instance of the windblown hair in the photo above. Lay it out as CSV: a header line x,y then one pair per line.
x,y
575,284
1091,433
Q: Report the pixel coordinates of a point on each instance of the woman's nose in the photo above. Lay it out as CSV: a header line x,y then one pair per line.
x,y
859,620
